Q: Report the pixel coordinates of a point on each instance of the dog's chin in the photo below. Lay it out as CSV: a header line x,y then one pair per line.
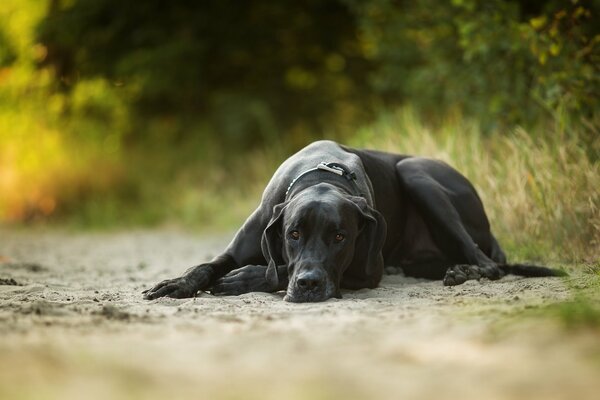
x,y
304,298
310,297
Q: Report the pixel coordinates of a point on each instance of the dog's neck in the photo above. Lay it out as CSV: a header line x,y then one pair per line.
x,y
333,173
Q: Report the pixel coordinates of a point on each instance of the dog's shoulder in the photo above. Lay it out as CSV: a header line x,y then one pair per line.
x,y
377,162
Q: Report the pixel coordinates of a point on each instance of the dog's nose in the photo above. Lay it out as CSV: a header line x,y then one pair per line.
x,y
309,280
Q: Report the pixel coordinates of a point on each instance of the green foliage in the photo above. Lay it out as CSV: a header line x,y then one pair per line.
x,y
256,70
56,149
7,52
566,47
250,69
502,61
116,113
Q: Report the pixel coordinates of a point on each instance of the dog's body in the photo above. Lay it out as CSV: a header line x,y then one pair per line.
x,y
333,216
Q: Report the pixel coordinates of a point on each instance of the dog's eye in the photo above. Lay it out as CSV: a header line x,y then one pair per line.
x,y
295,235
339,237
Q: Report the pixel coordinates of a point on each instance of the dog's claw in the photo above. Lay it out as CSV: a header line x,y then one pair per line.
x,y
459,274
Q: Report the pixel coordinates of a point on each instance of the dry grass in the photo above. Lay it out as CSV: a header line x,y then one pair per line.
x,y
540,189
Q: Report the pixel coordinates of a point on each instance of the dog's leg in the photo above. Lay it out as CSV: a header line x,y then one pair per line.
x,y
251,278
244,249
431,185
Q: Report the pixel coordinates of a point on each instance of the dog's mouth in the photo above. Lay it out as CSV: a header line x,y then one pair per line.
x,y
297,294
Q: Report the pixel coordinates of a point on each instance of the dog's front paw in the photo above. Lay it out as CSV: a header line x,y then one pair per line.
x,y
197,278
177,288
251,278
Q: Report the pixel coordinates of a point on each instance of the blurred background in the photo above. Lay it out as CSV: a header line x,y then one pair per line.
x,y
118,114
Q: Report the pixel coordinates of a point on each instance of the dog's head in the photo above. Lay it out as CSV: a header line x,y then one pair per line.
x,y
319,234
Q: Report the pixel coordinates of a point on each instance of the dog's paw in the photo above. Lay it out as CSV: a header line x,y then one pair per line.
x,y
177,288
251,278
197,278
458,274
491,271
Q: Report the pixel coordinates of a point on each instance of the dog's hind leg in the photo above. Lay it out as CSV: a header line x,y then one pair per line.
x,y
455,216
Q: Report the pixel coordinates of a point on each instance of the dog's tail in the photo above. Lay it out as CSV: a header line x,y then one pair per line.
x,y
531,270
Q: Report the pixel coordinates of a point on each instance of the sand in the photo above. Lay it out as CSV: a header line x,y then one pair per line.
x,y
73,325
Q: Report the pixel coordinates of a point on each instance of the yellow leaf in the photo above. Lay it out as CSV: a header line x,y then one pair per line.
x,y
554,49
538,22
579,12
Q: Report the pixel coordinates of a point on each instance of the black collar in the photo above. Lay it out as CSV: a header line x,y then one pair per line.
x,y
329,168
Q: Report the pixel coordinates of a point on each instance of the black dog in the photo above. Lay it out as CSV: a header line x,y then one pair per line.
x,y
332,216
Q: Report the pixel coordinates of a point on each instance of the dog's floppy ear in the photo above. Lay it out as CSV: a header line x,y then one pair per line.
x,y
368,259
272,245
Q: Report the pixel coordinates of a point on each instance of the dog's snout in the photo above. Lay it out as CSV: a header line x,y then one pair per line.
x,y
310,283
310,280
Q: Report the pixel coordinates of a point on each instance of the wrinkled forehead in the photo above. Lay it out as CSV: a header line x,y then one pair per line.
x,y
319,204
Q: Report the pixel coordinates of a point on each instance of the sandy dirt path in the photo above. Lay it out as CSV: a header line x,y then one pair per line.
x,y
73,325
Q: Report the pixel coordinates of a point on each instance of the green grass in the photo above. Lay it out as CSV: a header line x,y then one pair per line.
x,y
581,312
